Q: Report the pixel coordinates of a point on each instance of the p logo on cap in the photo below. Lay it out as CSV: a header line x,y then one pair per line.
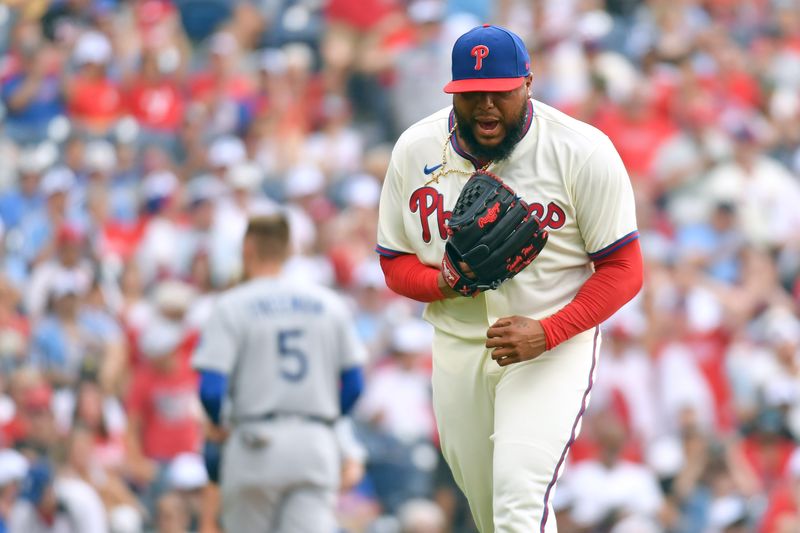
x,y
479,51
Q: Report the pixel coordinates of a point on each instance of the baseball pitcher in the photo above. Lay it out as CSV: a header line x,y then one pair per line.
x,y
517,224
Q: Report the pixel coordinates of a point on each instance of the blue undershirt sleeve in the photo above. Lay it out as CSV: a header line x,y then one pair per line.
x,y
213,387
352,381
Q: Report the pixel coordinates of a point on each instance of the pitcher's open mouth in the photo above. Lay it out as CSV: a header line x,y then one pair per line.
x,y
488,127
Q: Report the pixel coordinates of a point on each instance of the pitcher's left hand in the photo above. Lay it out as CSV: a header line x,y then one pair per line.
x,y
515,339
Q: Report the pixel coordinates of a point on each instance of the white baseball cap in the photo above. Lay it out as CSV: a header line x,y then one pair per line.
x,y
226,152
29,162
160,338
36,159
66,283
426,11
369,274
594,25
636,524
780,391
725,512
125,519
299,56
174,295
204,187
794,464
159,184
187,472
421,515
245,176
303,180
223,43
13,466
781,326
100,155
363,190
92,47
12,343
413,335
56,180
273,61
666,457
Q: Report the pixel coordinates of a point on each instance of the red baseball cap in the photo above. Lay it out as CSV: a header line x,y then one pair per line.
x,y
37,397
68,233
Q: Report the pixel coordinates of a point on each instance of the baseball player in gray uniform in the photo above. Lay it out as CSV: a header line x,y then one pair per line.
x,y
285,359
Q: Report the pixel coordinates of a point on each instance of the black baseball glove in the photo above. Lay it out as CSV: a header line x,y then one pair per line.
x,y
492,231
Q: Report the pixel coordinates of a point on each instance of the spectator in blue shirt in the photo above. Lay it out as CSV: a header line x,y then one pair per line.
x,y
73,337
716,242
38,227
33,97
25,196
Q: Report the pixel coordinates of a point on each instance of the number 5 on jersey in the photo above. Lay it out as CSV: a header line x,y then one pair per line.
x,y
293,362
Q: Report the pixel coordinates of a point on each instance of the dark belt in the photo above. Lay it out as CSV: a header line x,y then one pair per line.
x,y
277,416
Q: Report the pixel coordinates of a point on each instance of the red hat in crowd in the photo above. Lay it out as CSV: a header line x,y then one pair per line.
x,y
37,397
68,233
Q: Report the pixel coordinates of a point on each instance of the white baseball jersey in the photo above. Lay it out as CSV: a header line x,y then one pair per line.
x,y
283,345
568,171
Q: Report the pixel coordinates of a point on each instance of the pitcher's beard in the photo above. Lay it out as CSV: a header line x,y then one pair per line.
x,y
492,153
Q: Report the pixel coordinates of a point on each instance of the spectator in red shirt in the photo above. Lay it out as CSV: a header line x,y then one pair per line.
x,y
353,26
163,413
360,15
765,454
287,103
33,426
94,100
222,75
783,510
637,131
153,97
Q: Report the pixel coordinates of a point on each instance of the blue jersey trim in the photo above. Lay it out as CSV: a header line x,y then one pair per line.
x,y
614,246
388,252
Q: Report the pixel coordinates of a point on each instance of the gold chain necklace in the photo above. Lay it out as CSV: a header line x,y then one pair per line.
x,y
443,171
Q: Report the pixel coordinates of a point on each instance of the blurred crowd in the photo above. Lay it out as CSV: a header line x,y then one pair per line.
x,y
137,136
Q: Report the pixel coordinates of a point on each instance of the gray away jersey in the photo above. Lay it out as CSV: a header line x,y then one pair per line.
x,y
283,347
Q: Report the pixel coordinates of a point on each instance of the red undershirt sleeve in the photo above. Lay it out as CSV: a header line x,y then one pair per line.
x,y
407,276
616,279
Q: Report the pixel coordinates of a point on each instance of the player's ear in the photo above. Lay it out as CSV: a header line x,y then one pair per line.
x,y
528,84
247,248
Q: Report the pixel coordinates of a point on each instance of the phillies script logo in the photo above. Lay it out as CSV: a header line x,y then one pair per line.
x,y
479,52
427,201
490,216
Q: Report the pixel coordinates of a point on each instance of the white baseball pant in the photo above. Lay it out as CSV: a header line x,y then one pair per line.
x,y
506,431
281,477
